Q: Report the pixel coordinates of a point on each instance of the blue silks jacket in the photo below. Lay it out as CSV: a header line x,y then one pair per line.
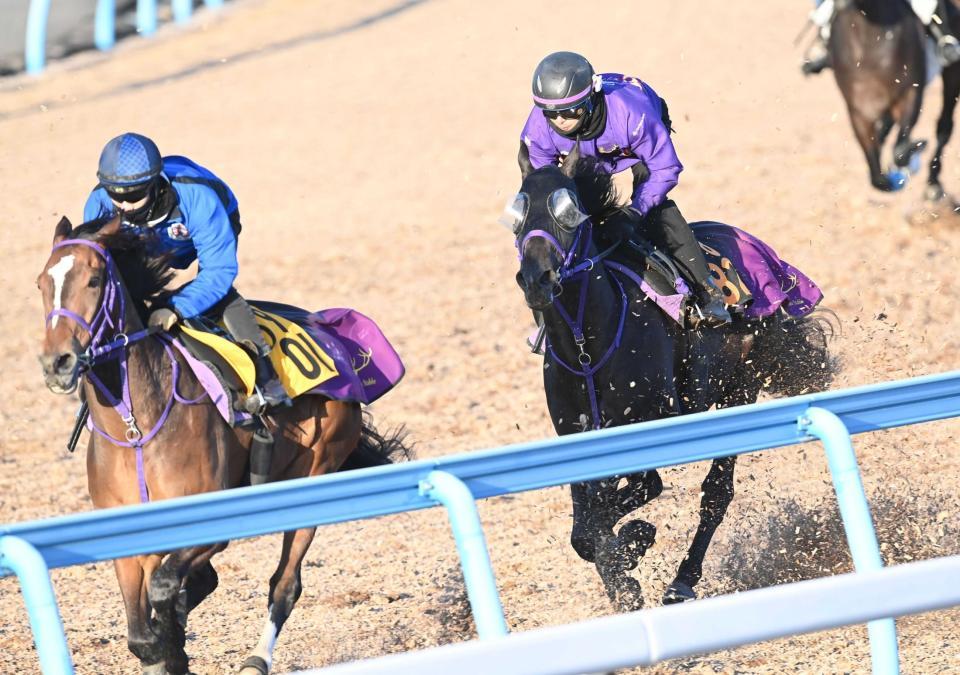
x,y
198,227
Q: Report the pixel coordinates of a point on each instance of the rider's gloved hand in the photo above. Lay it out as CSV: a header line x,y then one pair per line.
x,y
164,317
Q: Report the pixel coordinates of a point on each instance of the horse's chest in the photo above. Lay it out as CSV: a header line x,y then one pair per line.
x,y
615,401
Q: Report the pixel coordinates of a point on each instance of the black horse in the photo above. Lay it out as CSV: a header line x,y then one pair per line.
x,y
877,48
626,361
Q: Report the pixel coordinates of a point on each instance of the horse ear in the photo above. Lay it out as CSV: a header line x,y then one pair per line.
x,y
569,166
523,159
62,231
110,227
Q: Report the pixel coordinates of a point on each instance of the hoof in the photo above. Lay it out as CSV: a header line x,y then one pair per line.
x,y
678,592
628,597
254,665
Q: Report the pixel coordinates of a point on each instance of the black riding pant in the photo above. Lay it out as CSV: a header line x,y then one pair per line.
x,y
239,320
667,229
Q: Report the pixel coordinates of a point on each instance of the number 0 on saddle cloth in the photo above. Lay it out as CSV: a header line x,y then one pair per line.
x,y
300,362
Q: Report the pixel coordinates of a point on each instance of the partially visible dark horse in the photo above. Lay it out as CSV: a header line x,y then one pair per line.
x,y
643,366
879,57
96,285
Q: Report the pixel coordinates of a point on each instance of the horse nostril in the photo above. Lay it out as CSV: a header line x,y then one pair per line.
x,y
65,363
546,279
521,281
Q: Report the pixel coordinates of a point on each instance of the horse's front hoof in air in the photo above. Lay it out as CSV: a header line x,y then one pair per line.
x,y
883,183
678,592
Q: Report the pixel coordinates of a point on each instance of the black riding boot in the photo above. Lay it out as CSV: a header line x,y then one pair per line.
x,y
817,58
666,228
712,305
270,392
948,47
242,326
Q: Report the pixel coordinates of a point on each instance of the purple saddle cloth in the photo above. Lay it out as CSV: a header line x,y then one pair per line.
x,y
367,364
773,283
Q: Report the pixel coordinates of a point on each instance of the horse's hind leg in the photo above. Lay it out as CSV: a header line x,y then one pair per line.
x,y
864,129
907,110
285,589
323,437
951,90
717,493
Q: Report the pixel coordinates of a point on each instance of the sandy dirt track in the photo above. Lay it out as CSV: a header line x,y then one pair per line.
x,y
372,146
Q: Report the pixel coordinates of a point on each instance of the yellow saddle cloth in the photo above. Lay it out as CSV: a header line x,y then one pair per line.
x,y
301,363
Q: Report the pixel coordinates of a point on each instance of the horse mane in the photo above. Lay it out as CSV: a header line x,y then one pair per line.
x,y
144,274
600,200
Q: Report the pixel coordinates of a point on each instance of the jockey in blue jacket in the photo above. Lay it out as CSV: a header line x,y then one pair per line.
x,y
624,124
192,215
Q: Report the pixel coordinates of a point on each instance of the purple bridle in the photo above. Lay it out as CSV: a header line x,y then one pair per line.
x,y
570,268
109,325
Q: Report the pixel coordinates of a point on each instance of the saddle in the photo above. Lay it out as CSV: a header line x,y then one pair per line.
x,y
337,353
755,282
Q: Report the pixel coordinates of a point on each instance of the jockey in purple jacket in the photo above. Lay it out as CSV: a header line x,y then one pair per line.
x,y
624,124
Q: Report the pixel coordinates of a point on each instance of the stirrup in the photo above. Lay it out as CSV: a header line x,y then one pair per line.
x,y
948,50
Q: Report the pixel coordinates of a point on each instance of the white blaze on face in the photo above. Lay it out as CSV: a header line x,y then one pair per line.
x,y
59,273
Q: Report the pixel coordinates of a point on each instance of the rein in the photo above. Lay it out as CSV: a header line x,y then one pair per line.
x,y
96,353
569,269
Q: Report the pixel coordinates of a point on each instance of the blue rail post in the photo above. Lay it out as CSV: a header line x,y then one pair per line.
x,y
35,45
21,558
182,9
146,17
105,24
857,523
454,494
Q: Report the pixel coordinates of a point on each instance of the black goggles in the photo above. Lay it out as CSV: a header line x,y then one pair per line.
x,y
130,194
568,114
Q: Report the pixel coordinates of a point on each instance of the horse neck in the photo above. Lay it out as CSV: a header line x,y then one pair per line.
x,y
601,314
882,12
144,371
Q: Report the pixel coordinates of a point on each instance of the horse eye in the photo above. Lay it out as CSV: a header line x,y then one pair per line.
x,y
94,282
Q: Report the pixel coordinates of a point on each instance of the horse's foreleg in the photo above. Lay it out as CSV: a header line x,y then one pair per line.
x,y
141,640
285,589
951,90
863,129
164,594
907,111
717,491
201,582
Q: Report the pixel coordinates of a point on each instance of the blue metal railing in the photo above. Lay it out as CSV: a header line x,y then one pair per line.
x,y
247,512
104,31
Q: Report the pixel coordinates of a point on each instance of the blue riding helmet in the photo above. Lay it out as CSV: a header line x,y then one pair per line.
x,y
128,162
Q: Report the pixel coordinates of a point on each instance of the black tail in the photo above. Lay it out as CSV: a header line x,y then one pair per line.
x,y
791,356
376,450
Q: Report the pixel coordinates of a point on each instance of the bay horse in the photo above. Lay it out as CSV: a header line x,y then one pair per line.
x,y
879,57
614,358
168,439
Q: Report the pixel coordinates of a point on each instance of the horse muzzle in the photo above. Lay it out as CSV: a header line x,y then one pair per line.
x,y
539,290
61,372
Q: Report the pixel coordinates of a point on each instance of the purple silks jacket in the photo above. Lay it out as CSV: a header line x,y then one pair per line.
x,y
634,132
